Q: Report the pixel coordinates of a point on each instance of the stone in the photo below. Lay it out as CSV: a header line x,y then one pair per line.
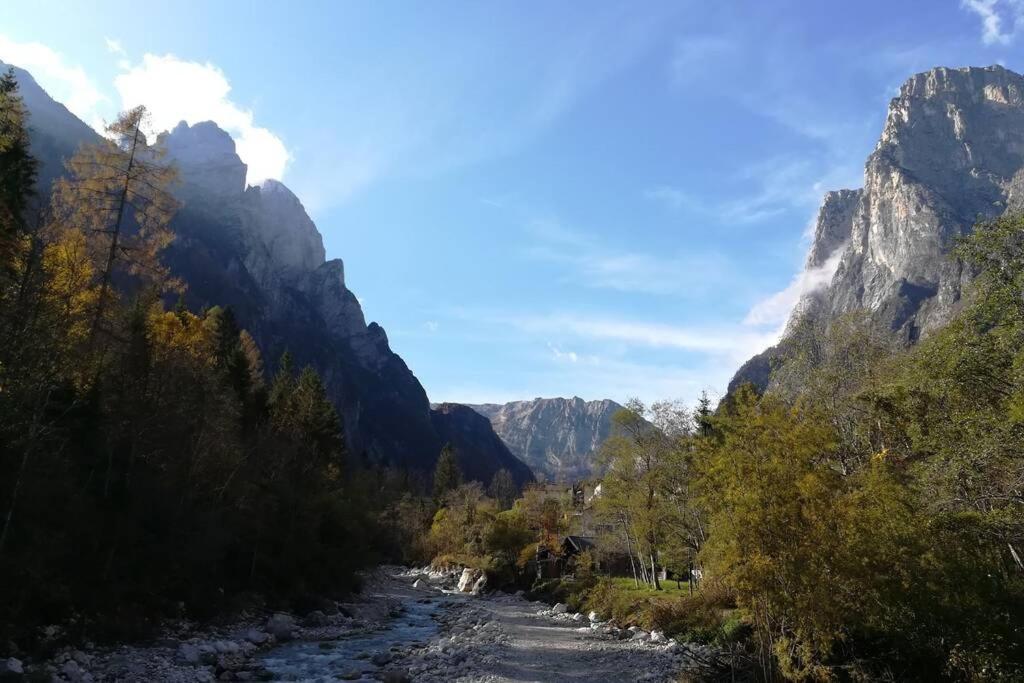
x,y
658,637
640,635
72,671
951,152
380,659
256,637
558,437
467,579
480,584
281,626
577,617
394,676
594,616
315,618
11,667
189,653
419,583
560,608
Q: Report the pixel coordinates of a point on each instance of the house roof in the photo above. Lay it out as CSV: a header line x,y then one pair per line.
x,y
579,543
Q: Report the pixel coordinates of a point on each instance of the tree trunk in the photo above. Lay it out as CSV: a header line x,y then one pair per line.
x,y
629,551
654,574
112,253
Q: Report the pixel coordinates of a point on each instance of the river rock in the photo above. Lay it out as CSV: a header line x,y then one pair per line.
x,y
281,626
468,579
594,617
419,583
73,672
658,637
256,637
480,584
188,653
380,659
640,635
11,667
560,608
315,618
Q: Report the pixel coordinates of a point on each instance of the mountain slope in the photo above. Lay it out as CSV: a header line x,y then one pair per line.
x,y
951,153
256,250
556,437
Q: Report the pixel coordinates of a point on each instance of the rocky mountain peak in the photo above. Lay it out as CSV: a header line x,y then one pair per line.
x,y
557,437
951,152
206,155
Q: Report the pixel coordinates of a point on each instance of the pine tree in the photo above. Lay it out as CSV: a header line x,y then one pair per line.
x,y
702,414
503,488
17,170
447,474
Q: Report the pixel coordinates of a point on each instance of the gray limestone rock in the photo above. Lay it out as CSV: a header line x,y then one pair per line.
x,y
951,153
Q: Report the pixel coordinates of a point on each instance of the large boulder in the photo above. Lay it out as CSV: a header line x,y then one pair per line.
x,y
281,626
560,608
468,579
11,668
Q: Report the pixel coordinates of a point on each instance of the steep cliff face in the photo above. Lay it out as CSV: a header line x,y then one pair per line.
x,y
951,153
55,132
273,273
556,437
478,449
256,250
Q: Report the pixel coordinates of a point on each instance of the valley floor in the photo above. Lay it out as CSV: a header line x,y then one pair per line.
x,y
397,631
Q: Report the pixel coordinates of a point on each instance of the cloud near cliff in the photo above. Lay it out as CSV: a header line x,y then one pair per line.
x,y
66,82
775,309
176,90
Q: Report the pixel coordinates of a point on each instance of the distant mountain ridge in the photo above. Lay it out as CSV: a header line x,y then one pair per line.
x,y
557,437
256,250
951,153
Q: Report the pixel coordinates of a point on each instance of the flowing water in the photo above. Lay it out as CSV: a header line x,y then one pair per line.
x,y
351,658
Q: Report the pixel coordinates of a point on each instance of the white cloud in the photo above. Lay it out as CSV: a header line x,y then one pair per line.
x,y
176,90
1000,19
775,309
65,82
431,326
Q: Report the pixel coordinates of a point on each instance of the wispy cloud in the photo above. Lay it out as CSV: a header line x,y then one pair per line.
x,y
692,55
779,184
726,341
592,263
114,47
1000,19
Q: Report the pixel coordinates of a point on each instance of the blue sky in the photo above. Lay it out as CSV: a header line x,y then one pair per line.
x,y
536,199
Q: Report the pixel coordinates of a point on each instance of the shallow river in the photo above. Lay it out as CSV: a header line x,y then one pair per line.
x,y
353,657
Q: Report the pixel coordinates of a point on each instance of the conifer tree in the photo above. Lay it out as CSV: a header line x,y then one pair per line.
x,y
17,170
447,474
503,488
